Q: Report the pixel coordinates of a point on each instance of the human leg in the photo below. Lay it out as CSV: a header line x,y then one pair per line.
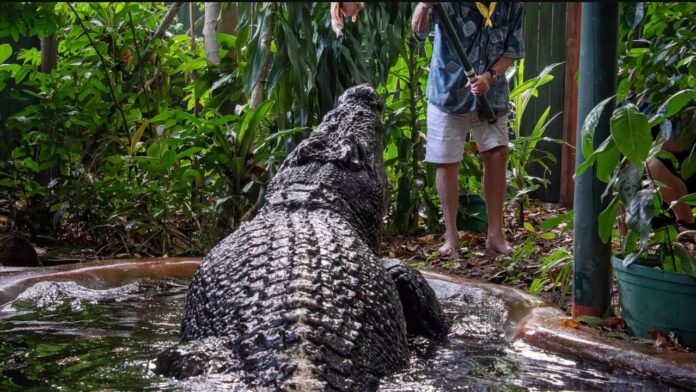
x,y
674,189
494,186
492,141
445,146
447,184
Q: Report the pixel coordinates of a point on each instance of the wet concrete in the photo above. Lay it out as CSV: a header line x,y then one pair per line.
x,y
540,324
529,319
96,274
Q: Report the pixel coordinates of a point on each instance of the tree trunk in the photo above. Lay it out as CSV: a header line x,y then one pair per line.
x,y
49,60
212,13
168,18
218,18
49,53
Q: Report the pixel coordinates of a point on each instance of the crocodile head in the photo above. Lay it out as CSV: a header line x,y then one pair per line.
x,y
339,166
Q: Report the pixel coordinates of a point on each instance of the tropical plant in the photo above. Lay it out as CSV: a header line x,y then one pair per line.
x,y
411,190
121,147
108,153
523,148
663,77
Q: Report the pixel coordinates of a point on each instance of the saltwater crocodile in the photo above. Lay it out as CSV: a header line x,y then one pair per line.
x,y
297,298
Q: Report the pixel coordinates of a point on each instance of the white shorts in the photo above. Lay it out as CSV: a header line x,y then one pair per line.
x,y
447,134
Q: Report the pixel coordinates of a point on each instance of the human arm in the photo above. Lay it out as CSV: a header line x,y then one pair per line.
x,y
420,21
514,49
339,10
485,80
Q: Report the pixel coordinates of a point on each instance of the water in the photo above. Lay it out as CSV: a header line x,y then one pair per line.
x,y
63,336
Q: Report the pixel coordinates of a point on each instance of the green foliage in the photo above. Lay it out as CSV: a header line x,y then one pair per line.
x,y
412,192
660,81
556,269
28,19
174,182
523,148
668,65
154,151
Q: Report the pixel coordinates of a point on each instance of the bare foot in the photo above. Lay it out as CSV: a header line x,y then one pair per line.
x,y
448,250
451,246
499,245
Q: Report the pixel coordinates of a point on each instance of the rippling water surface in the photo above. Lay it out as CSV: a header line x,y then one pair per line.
x,y
60,335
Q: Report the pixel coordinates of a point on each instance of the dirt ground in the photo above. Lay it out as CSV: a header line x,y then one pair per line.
x,y
531,242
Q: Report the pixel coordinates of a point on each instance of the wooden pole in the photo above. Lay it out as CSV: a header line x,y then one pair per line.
x,y
570,102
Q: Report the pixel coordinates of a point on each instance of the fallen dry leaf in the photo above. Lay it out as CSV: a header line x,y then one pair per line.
x,y
570,323
426,239
614,323
660,338
663,341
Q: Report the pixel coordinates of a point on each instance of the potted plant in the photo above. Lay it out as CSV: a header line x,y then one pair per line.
x,y
656,103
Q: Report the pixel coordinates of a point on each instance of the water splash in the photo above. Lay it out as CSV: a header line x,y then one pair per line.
x,y
66,336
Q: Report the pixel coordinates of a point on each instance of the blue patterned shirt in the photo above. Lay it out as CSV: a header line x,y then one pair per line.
x,y
484,47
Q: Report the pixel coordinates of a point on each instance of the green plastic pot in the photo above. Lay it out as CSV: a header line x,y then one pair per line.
x,y
653,299
472,213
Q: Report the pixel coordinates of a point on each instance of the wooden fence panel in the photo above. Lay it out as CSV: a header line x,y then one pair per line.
x,y
544,38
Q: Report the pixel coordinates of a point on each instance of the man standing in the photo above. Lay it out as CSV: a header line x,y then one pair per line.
x,y
491,34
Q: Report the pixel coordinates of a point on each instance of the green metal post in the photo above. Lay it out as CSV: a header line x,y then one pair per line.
x,y
592,258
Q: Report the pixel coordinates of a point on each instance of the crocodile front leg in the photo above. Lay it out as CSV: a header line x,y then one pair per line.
x,y
422,310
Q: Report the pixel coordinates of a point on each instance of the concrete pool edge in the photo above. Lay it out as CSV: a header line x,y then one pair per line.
x,y
530,319
541,324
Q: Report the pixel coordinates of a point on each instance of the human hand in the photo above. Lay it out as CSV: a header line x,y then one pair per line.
x,y
351,9
420,19
429,4
481,85
339,10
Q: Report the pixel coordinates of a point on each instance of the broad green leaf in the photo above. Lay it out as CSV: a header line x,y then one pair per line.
x,y
192,65
607,161
676,262
554,221
634,13
672,105
222,81
168,159
154,150
529,227
628,182
191,175
592,158
188,152
607,219
547,236
11,68
639,213
31,164
689,199
688,166
631,132
226,39
5,52
589,126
